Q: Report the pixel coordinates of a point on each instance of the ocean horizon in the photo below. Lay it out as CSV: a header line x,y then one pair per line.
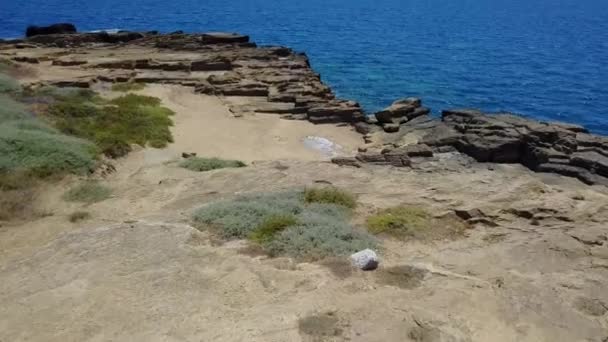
x,y
541,59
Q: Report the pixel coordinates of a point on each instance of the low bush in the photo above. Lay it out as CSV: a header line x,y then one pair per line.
x,y
285,224
78,216
271,226
412,222
12,110
128,86
207,164
330,195
114,125
8,84
88,192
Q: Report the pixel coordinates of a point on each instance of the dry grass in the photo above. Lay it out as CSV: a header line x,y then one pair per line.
x,y
407,222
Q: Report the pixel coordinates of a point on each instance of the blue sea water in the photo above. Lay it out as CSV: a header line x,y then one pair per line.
x,y
546,59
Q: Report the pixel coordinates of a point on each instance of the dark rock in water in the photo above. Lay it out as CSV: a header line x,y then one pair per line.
x,y
224,38
63,28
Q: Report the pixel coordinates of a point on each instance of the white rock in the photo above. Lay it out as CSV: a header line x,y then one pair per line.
x,y
366,260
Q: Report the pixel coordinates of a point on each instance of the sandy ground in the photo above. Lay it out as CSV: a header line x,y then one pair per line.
x,y
139,272
203,124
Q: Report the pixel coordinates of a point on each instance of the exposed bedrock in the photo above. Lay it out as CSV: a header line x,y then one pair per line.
x,y
506,138
223,64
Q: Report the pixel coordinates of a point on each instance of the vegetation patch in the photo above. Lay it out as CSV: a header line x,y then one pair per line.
x,y
113,125
78,216
284,224
28,145
88,192
405,222
128,86
199,164
271,226
330,195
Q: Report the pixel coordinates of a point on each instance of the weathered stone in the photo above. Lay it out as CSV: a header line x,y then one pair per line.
x,y
346,161
205,65
223,38
366,260
468,214
23,59
401,111
390,127
68,62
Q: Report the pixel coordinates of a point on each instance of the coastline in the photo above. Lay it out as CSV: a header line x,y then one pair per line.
x,y
510,255
280,81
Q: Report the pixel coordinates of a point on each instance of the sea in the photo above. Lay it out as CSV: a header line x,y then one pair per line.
x,y
545,59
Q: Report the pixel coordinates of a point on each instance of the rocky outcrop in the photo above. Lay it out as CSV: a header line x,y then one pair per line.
x,y
63,28
508,138
400,112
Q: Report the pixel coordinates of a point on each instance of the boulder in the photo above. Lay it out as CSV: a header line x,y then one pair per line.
x,y
366,260
62,28
401,111
223,38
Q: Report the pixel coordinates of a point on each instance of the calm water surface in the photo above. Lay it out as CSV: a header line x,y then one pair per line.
x,y
546,59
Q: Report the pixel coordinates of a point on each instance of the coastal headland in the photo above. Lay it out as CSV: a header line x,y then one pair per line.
x,y
504,218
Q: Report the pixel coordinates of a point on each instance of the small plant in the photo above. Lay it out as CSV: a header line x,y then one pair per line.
x,y
199,164
128,86
271,226
285,224
78,216
399,221
412,222
330,195
88,192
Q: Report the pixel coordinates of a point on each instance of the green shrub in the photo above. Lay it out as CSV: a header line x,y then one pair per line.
x,y
271,226
318,237
133,100
114,125
42,151
12,110
330,195
240,217
8,84
284,224
128,86
88,192
206,164
413,222
79,216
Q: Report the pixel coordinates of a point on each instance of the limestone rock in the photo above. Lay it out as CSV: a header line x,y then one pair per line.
x,y
365,260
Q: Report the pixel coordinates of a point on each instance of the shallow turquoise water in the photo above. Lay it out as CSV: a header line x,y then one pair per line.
x,y
546,59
